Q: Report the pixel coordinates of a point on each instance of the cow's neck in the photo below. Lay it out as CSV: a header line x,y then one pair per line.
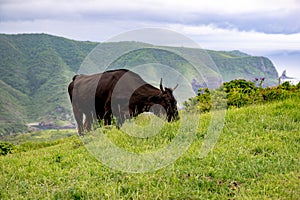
x,y
141,97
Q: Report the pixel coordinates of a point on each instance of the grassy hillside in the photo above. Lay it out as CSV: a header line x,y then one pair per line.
x,y
36,69
235,64
256,157
12,110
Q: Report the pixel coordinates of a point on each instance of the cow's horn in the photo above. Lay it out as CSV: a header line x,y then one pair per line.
x,y
160,85
175,87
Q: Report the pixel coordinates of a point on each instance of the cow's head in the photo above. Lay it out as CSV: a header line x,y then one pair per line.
x,y
167,102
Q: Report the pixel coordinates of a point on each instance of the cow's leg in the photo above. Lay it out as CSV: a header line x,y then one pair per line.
x,y
121,117
99,114
90,117
88,122
120,121
79,119
107,118
107,113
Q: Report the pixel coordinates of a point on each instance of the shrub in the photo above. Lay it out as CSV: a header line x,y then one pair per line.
x,y
238,93
6,148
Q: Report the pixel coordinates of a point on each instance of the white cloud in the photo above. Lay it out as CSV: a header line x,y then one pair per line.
x,y
228,6
238,24
208,36
217,38
188,12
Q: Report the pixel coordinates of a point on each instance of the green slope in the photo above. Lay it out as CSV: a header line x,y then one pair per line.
x,y
13,111
39,67
235,64
256,157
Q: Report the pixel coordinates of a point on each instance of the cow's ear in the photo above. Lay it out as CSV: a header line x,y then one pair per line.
x,y
155,99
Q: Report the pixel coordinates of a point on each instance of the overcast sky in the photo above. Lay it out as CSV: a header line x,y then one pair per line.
x,y
249,25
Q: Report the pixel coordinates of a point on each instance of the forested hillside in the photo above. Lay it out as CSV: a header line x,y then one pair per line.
x,y
36,69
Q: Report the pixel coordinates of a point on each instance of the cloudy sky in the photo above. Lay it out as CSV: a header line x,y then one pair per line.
x,y
253,26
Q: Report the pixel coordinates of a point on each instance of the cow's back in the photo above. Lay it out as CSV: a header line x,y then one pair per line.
x,y
85,88
122,78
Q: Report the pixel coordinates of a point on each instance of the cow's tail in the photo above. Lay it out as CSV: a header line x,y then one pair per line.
x,y
74,77
71,86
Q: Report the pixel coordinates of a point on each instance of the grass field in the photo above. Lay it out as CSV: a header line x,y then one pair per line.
x,y
256,157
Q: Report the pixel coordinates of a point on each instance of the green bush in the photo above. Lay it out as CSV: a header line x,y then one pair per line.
x,y
6,148
239,93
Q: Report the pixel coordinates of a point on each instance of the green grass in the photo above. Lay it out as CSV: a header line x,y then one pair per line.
x,y
256,157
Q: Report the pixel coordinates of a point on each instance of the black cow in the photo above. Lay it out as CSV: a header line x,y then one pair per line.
x,y
120,93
